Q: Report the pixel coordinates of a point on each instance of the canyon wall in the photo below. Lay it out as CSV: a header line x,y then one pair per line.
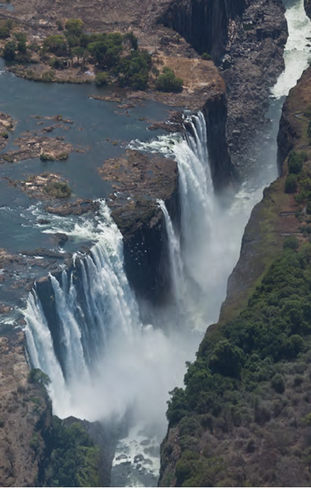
x,y
227,424
203,23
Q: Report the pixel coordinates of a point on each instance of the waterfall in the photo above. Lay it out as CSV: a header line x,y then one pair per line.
x,y
176,263
95,307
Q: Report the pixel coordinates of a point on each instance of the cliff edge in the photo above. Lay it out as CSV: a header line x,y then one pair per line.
x,y
243,418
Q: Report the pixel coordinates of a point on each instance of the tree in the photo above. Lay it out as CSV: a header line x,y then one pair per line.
x,y
168,82
101,79
38,376
227,359
291,183
55,44
74,27
78,52
295,162
9,51
21,42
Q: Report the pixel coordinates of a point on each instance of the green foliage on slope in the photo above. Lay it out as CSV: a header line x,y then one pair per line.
x,y
71,458
241,373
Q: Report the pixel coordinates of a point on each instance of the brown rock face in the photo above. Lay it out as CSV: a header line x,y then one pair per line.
x,y
24,411
139,181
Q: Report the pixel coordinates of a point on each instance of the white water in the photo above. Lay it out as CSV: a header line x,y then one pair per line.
x,y
113,361
176,263
297,55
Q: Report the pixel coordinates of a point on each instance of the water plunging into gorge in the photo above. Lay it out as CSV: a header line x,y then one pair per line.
x,y
102,360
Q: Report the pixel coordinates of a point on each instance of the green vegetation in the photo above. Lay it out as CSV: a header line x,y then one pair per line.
x,y
58,189
295,161
21,42
47,157
206,57
242,363
55,44
291,184
74,27
9,51
5,29
168,82
101,79
133,70
37,376
71,458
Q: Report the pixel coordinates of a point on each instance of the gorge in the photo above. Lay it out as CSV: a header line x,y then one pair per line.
x,y
113,324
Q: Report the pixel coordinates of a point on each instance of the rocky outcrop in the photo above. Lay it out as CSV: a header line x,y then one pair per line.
x,y
203,23
252,62
307,4
295,118
222,169
25,412
139,180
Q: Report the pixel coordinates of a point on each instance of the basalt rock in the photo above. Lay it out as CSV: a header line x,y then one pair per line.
x,y
139,181
295,119
222,169
203,23
307,4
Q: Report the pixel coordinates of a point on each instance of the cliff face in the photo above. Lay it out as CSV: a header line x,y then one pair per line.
x,y
243,417
24,413
223,170
307,5
141,180
293,132
203,23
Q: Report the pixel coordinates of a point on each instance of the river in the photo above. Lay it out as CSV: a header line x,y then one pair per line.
x,y
137,364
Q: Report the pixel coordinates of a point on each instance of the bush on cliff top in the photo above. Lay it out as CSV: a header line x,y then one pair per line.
x,y
295,162
168,81
291,184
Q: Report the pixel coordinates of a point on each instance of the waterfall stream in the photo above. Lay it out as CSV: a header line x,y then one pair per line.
x,y
101,359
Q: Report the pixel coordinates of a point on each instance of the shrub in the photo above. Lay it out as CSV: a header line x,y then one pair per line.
x,y
227,359
48,77
101,79
47,157
38,376
4,32
62,156
291,183
277,383
133,40
206,57
295,162
59,25
168,82
58,189
291,242
9,51
56,63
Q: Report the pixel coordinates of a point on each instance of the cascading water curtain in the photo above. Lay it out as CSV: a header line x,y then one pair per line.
x,y
92,310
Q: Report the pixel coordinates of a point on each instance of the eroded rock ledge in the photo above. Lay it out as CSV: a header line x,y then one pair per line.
x,y
138,182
